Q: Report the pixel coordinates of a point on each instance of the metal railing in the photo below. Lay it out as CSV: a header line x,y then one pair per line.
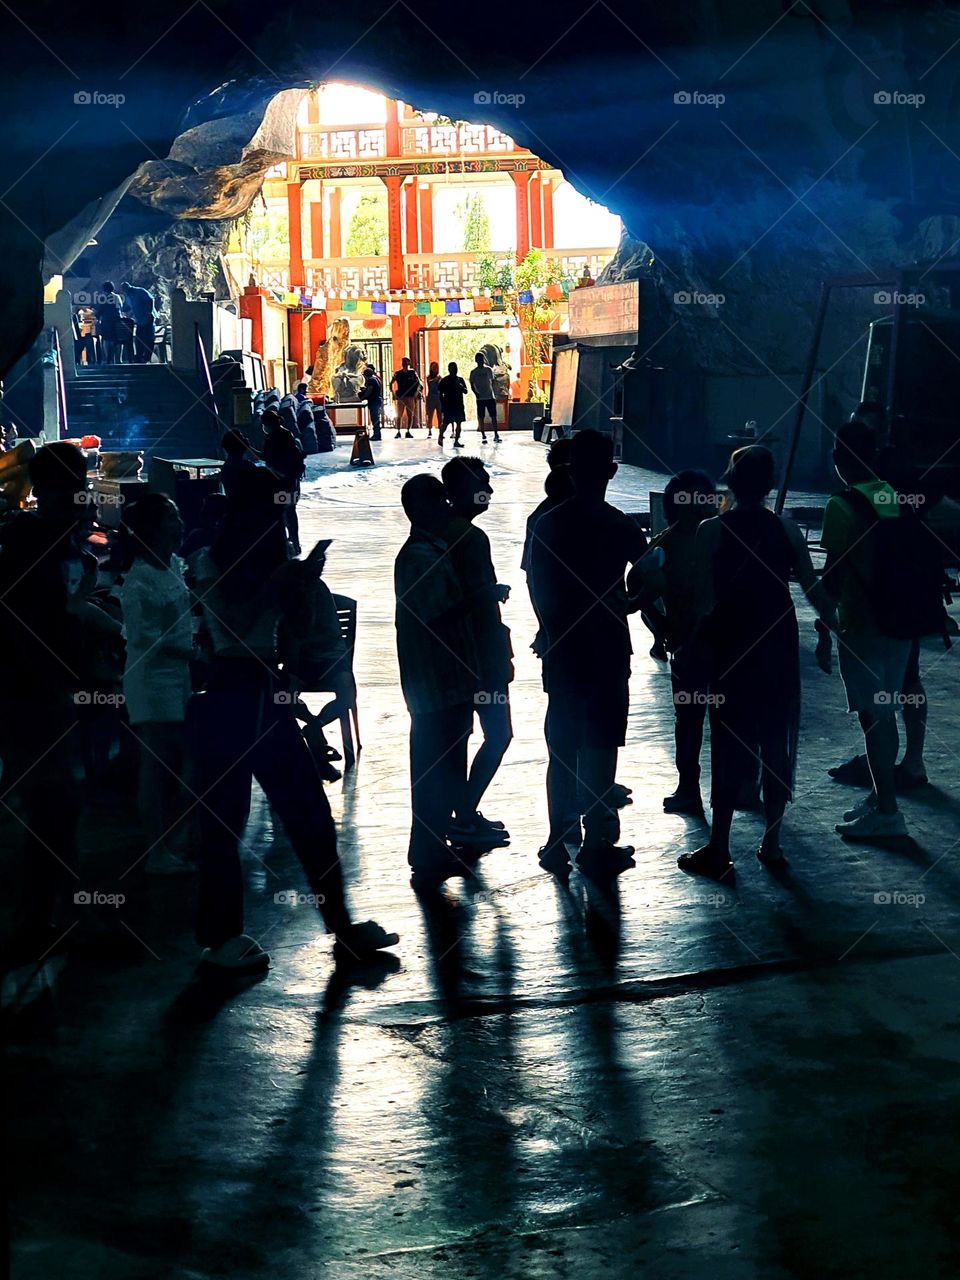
x,y
203,368
61,388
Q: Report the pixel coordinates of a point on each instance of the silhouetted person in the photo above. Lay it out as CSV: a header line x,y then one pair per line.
x,y
745,558
245,728
213,512
239,458
406,388
482,385
452,389
579,554
557,487
107,309
139,306
439,676
468,488
372,392
689,498
432,408
283,455
876,563
158,627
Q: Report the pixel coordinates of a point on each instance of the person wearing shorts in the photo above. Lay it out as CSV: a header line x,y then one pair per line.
x,y
481,383
873,665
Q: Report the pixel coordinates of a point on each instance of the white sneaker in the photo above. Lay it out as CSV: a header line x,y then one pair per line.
x,y
867,805
874,826
161,862
241,954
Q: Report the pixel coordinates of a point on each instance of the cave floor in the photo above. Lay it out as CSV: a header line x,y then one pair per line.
x,y
757,1081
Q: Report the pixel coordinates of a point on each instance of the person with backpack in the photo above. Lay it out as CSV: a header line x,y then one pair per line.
x,y
283,455
884,570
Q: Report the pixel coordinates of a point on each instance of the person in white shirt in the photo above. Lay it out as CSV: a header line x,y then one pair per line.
x,y
158,628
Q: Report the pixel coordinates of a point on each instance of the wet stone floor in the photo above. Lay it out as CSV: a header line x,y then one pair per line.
x,y
756,1081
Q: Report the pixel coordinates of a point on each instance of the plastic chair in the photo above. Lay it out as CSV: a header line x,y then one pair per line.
x,y
347,617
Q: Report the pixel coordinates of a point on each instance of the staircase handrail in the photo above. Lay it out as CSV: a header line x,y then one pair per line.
x,y
203,367
61,387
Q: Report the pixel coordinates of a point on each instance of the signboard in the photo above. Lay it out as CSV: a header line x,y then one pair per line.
x,y
563,388
606,311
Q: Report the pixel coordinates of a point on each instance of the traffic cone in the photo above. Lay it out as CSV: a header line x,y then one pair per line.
x,y
362,453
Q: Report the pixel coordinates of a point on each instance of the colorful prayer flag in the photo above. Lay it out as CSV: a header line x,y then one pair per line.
x,y
348,304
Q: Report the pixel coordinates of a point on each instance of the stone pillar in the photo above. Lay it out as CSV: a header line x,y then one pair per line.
x,y
295,222
395,273
251,308
521,180
547,188
536,219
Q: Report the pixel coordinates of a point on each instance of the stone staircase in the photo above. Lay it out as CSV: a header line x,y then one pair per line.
x,y
151,408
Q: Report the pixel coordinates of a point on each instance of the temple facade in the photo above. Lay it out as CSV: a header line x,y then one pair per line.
x,y
369,220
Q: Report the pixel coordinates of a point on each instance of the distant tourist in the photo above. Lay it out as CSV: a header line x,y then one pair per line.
x,y
372,393
482,385
107,311
283,455
139,306
433,407
406,387
452,390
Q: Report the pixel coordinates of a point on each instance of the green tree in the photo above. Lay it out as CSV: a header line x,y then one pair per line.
x,y
476,225
367,234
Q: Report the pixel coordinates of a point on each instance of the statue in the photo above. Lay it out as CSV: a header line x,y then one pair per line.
x,y
328,359
501,374
348,379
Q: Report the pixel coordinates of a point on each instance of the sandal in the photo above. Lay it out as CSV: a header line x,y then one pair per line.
x,y
706,862
362,941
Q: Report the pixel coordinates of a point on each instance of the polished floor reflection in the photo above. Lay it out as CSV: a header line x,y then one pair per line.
x,y
547,1081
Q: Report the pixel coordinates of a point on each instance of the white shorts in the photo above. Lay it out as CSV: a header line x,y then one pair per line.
x,y
872,668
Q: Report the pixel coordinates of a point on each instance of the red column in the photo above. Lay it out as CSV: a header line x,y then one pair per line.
x,y
426,218
521,181
395,245
318,333
433,348
397,338
547,186
251,308
316,226
410,209
295,345
336,244
536,220
313,107
295,222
